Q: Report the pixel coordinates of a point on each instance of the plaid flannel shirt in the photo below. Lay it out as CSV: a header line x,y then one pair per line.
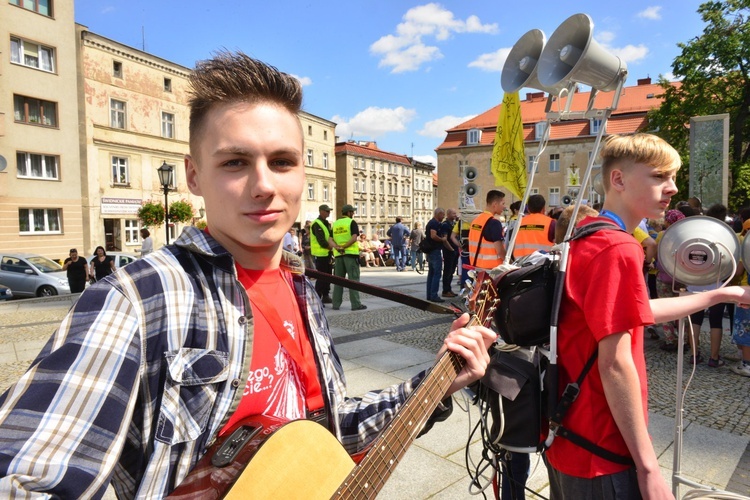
x,y
144,371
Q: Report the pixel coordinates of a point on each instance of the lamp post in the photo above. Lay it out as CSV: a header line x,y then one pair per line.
x,y
166,178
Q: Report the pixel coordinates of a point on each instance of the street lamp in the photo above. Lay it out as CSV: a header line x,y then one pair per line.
x,y
166,178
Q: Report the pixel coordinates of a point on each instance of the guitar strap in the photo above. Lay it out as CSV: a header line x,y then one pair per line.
x,y
306,360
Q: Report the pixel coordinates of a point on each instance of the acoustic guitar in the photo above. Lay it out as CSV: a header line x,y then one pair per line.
x,y
270,458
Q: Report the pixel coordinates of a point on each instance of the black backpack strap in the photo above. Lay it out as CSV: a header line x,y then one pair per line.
x,y
570,394
588,229
479,245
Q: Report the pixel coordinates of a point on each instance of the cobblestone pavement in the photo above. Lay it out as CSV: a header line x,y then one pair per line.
x,y
717,398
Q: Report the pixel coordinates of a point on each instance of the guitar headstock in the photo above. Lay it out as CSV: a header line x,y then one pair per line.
x,y
482,300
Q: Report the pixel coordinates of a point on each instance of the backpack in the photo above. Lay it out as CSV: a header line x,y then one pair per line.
x,y
527,294
426,246
517,383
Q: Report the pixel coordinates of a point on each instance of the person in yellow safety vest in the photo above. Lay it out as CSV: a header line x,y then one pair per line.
x,y
346,251
321,252
486,249
537,231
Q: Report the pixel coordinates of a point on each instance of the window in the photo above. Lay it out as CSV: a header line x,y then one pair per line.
x,y
117,69
120,175
325,135
373,211
595,125
372,165
356,208
309,158
39,220
325,161
326,192
167,125
31,54
372,186
37,166
37,111
473,136
43,7
531,164
364,209
310,191
118,113
382,187
167,85
381,167
539,129
356,185
132,235
554,197
309,130
554,162
534,191
390,168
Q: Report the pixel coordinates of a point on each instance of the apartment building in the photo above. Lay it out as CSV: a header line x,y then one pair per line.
x,y
320,168
134,119
562,164
40,183
377,183
423,197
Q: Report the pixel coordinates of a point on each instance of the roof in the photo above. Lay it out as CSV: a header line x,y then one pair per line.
x,y
629,116
370,150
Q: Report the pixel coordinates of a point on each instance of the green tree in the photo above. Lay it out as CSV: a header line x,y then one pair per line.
x,y
714,69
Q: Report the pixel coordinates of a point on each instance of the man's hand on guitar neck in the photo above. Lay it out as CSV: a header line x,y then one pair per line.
x,y
471,343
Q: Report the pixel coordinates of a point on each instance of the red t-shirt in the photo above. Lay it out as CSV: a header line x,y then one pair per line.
x,y
275,384
604,294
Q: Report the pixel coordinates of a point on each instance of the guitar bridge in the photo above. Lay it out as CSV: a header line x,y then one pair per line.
x,y
230,448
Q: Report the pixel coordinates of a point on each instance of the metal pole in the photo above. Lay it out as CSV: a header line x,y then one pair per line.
x,y
166,211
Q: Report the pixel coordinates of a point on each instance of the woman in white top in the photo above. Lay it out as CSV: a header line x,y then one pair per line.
x,y
148,244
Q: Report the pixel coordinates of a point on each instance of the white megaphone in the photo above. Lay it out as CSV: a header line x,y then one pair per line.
x,y
470,189
572,55
520,68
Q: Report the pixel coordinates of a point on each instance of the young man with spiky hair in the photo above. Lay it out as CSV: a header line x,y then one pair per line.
x,y
158,359
605,307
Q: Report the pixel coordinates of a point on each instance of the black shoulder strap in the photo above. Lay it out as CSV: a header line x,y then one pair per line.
x,y
589,229
479,245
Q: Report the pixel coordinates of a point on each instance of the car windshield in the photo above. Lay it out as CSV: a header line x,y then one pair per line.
x,y
44,264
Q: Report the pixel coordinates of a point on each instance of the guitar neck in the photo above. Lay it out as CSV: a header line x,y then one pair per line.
x,y
368,478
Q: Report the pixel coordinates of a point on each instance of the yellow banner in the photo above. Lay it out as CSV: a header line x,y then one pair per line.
x,y
508,154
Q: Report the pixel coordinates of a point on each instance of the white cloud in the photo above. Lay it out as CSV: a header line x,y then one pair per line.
x,y
492,62
303,80
630,53
437,128
407,50
653,13
605,37
374,122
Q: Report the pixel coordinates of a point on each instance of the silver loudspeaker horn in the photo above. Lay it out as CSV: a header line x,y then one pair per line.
x,y
698,250
572,54
520,68
598,184
470,189
470,173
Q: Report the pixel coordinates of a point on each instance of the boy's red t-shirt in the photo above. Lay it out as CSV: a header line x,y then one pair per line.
x,y
275,384
605,293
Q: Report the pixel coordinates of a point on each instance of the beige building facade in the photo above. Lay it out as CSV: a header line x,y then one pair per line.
x,y
423,204
40,185
378,184
320,167
135,118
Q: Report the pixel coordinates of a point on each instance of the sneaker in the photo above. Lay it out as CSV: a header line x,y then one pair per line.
x,y
652,332
741,369
716,363
449,294
436,299
359,307
326,299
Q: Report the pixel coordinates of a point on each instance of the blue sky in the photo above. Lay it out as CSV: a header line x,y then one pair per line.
x,y
396,72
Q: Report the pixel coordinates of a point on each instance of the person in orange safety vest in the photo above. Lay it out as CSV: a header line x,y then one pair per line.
x,y
486,238
537,231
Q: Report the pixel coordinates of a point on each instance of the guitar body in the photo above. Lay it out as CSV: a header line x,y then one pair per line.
x,y
289,460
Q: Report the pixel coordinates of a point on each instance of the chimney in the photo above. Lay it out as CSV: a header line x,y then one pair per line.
x,y
534,96
644,81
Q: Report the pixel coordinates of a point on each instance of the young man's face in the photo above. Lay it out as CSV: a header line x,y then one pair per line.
x,y
248,169
647,191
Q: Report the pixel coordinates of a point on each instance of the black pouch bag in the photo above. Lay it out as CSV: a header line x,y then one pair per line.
x,y
526,295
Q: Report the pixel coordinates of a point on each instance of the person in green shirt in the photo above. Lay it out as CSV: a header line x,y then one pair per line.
x,y
346,251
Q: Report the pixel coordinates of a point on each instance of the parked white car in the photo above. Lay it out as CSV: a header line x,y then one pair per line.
x,y
31,275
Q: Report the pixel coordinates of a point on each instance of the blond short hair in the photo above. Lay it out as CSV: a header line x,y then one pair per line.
x,y
561,226
624,151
